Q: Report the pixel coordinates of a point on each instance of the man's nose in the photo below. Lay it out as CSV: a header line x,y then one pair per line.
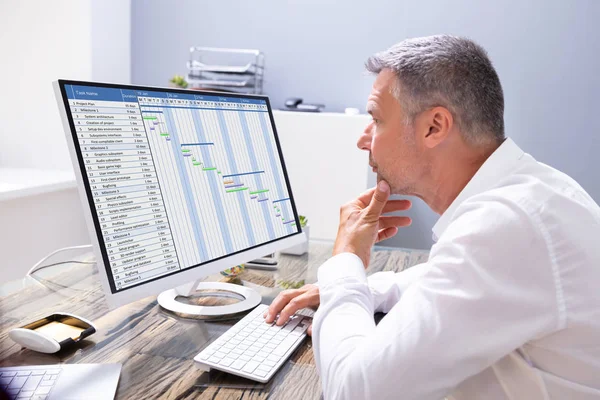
x,y
364,141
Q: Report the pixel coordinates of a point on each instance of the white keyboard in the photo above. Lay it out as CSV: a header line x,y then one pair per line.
x,y
28,382
252,348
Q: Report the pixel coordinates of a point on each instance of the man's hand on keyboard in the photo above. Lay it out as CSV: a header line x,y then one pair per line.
x,y
289,301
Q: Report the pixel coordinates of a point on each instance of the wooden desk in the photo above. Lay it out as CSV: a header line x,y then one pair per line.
x,y
155,347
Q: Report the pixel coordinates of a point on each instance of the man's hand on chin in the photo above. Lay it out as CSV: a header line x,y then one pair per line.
x,y
362,224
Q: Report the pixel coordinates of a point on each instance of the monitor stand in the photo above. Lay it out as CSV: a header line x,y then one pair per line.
x,y
168,299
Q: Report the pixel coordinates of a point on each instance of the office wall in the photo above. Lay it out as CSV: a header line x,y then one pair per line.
x,y
545,51
42,41
37,49
35,226
111,40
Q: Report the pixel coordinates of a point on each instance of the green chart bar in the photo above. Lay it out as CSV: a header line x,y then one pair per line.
x,y
260,191
151,118
185,150
164,134
236,190
209,169
197,163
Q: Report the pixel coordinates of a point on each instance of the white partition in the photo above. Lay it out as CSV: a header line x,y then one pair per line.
x,y
325,167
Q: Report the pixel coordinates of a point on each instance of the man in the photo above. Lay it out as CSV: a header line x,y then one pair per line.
x,y
508,304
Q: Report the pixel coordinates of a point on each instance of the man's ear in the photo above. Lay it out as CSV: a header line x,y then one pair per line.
x,y
436,124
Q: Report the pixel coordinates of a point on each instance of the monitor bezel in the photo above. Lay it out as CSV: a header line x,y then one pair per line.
x,y
191,273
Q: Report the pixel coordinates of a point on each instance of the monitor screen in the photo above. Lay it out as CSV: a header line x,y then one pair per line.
x,y
177,178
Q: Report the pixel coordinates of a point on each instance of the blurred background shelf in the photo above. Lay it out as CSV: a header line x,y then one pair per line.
x,y
238,70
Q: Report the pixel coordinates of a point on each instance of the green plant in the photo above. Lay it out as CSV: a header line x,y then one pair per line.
x,y
179,81
290,284
303,220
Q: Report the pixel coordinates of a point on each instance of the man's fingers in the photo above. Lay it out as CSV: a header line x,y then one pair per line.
x,y
396,205
379,199
365,197
386,233
309,330
279,303
297,303
390,221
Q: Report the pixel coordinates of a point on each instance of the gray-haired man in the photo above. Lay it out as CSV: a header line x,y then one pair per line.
x,y
508,304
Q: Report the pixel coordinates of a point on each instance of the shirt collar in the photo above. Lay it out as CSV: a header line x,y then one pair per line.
x,y
503,160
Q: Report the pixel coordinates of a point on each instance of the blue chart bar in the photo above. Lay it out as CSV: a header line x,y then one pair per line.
x,y
197,144
244,173
151,112
277,201
263,199
288,222
232,186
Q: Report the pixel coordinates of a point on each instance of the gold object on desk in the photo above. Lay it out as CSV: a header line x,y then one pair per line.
x,y
60,331
157,348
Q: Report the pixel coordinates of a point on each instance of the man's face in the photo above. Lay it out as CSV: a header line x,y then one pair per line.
x,y
393,152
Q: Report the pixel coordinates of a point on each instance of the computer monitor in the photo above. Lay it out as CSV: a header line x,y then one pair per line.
x,y
175,184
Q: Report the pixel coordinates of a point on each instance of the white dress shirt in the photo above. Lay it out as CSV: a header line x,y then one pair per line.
x,y
506,307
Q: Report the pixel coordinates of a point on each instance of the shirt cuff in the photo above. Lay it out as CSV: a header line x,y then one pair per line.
x,y
341,266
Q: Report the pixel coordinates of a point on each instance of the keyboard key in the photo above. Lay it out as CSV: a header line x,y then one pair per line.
x,y
269,363
43,390
25,394
281,335
38,372
238,364
276,340
12,392
214,359
9,374
273,357
258,358
260,373
244,357
250,367
32,382
235,353
284,346
46,383
53,372
209,352
219,354
5,381
226,362
264,353
23,373
35,397
291,324
17,382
